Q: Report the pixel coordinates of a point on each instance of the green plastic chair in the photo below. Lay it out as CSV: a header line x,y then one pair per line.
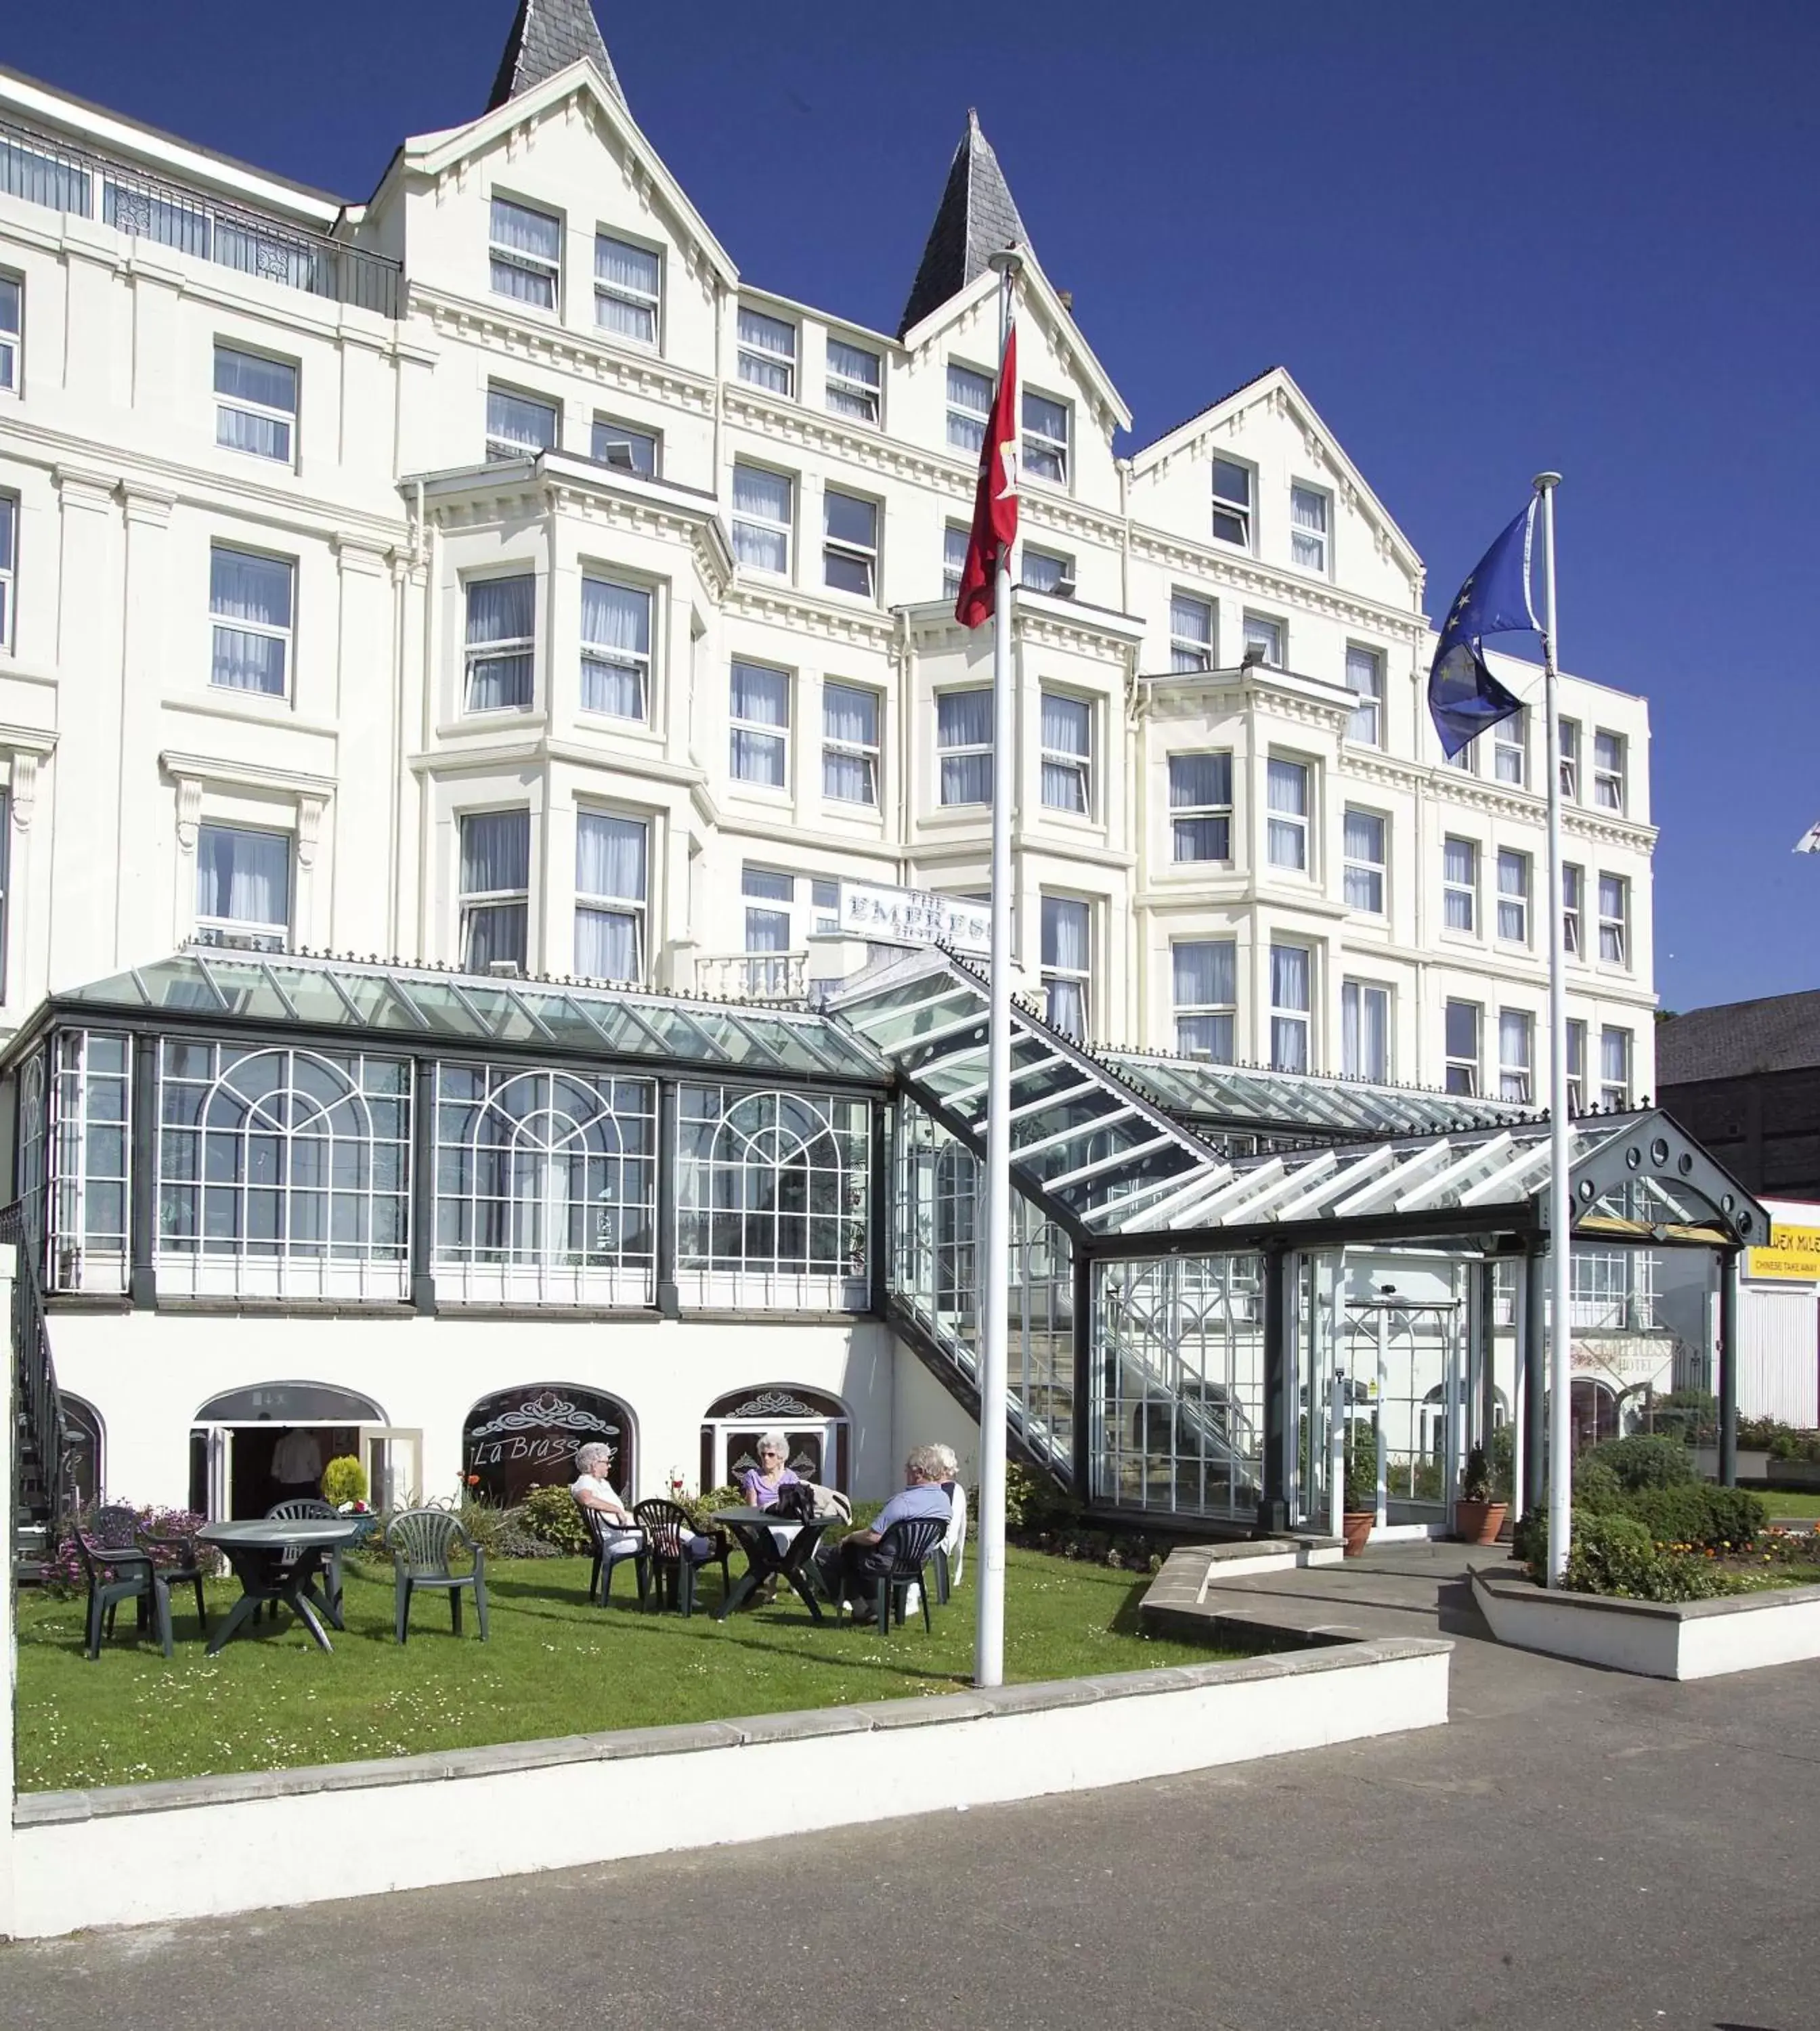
x,y
421,1541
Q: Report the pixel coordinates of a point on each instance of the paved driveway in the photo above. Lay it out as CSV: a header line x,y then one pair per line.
x,y
1575,1850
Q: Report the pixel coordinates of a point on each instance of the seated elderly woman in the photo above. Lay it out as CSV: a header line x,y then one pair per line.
x,y
592,1490
847,1567
762,1482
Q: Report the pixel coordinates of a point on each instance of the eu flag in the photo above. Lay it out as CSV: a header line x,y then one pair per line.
x,y
1464,697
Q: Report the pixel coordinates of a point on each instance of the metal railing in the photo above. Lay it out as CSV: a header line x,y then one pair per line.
x,y
67,179
39,1401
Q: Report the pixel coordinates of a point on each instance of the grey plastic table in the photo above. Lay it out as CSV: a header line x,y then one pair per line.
x,y
753,1529
260,1554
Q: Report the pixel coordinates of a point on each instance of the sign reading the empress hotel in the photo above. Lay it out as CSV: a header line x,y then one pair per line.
x,y
489,574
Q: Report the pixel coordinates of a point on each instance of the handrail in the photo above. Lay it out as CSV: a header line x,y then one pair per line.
x,y
37,1395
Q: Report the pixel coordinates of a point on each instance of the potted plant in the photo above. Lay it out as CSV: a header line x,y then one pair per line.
x,y
1359,1511
1477,1516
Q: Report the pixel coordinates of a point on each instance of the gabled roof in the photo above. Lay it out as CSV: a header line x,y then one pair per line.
x,y
548,36
975,219
1280,381
1779,1034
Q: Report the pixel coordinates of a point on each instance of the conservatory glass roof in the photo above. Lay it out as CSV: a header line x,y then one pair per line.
x,y
405,1004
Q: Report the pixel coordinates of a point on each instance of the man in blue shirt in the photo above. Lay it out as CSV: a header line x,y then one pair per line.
x,y
845,1566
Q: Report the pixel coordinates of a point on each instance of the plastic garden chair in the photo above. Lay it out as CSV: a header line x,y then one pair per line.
x,y
897,1561
600,1531
117,1569
421,1541
677,1551
952,1552
309,1509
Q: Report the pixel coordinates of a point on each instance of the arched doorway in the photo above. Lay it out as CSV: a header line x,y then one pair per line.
x,y
1594,1408
817,1432
84,1461
268,1441
519,1438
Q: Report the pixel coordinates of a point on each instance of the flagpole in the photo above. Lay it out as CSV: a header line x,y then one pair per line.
x,y
1559,1229
992,1262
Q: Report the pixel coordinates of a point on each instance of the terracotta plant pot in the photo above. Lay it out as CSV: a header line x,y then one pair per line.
x,y
1355,1527
1478,1523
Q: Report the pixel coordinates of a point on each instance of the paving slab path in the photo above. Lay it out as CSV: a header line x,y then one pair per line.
x,y
1575,1850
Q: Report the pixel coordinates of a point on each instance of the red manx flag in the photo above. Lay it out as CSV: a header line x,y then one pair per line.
x,y
995,499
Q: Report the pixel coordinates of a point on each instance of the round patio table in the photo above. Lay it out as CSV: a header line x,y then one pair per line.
x,y
753,1529
278,1558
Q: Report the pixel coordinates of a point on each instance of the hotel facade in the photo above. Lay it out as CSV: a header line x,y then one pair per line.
x,y
490,584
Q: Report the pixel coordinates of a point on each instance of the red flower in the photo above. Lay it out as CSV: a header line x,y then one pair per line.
x,y
473,1480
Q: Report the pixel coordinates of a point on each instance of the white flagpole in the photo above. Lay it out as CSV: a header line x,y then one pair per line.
x,y
994,1259
1560,1230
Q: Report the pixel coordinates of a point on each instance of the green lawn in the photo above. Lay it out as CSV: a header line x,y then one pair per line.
x,y
555,1665
1802,1502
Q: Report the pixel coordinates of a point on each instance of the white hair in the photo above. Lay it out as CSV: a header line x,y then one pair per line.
x,y
950,1461
774,1441
593,1458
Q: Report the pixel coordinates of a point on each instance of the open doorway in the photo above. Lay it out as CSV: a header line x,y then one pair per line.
x,y
251,1448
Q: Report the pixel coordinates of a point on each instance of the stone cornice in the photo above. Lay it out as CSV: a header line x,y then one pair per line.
x,y
1246,574
491,326
248,775
749,598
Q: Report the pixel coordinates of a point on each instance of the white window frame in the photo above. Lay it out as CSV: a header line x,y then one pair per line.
x,y
1366,727
841,388
1319,541
529,264
1189,653
967,425
648,300
1074,765
1302,1018
1614,925
1613,1093
1352,1033
244,406
786,527
1454,891
956,536
1576,1049
1513,903
865,753
763,360
1186,1012
638,661
1282,825
468,901
1573,909
1609,784
613,427
244,931
1226,508
264,629
1040,449
1463,1073
1270,625
1510,750
1035,553
13,335
1185,818
1570,758
636,908
1516,1076
846,549
474,653
10,572
499,448
1054,974
1373,876
963,750
778,735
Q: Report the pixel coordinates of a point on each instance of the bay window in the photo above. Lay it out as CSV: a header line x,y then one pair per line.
x,y
1290,968
1201,807
612,863
615,648
501,644
1067,754
1287,830
1067,934
1204,972
1364,1030
963,746
495,888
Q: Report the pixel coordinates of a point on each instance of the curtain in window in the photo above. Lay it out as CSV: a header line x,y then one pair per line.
x,y
615,647
1513,1034
1615,1057
41,180
1196,781
1065,926
610,855
760,698
499,609
770,351
514,420
243,877
767,930
607,945
1289,978
849,717
853,364
1266,637
761,518
243,587
1066,729
617,266
169,221
495,852
1288,793
1364,1031
1611,918
1308,534
1191,621
1460,875
518,229
963,720
244,376
1205,973
1364,837
1067,1007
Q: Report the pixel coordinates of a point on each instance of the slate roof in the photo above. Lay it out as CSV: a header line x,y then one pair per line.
x,y
548,36
975,218
1779,1034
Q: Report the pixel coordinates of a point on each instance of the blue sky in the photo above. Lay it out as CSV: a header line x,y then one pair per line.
x,y
1486,239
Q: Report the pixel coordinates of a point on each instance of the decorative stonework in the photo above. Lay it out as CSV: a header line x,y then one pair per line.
x,y
24,791
188,811
309,829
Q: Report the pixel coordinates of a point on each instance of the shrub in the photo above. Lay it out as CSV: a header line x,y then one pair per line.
x,y
1596,1489
1692,1415
1503,1457
1760,1434
343,1481
63,1572
701,1507
1616,1555
1034,1502
1708,1518
1529,1541
1792,1445
1646,1462
550,1515
1475,1480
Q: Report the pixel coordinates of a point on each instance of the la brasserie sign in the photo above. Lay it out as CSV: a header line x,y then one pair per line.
x,y
914,917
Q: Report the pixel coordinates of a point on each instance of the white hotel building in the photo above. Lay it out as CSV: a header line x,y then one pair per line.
x,y
489,577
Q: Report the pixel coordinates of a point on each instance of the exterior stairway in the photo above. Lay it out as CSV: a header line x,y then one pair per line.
x,y
40,1440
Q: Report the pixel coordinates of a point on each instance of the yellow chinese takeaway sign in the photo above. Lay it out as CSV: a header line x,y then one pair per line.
x,y
1793,1253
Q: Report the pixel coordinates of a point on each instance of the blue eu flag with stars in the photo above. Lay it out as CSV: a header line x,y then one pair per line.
x,y
1464,697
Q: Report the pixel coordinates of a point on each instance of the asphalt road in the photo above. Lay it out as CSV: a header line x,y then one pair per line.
x,y
1574,1849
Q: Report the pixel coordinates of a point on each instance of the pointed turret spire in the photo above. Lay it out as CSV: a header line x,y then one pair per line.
x,y
548,36
975,219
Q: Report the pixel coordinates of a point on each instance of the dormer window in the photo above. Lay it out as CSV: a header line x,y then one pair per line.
x,y
767,356
1045,438
1232,503
1308,529
526,254
969,406
628,289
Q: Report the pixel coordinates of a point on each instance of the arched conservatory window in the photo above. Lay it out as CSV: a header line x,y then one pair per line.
x,y
546,1187
772,1199
283,1173
818,1434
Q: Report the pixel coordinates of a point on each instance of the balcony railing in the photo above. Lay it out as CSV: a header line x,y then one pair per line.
x,y
754,976
67,179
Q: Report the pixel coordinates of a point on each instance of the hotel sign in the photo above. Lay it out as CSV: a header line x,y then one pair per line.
x,y
885,916
1793,1254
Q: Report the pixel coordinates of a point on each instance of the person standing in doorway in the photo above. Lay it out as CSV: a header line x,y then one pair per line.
x,y
297,1464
